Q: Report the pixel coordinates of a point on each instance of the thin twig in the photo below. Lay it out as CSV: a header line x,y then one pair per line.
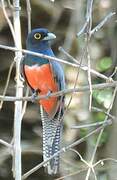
x,y
10,4
89,75
114,72
90,125
71,174
88,18
81,158
75,84
83,67
5,143
99,26
25,103
95,109
83,30
106,159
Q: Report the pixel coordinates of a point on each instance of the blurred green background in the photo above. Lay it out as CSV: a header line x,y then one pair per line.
x,y
65,18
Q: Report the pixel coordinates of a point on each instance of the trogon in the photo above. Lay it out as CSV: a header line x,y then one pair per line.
x,y
46,76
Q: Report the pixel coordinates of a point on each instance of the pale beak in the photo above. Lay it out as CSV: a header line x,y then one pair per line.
x,y
49,36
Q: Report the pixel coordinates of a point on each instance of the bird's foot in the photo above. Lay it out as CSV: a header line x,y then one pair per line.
x,y
48,94
34,95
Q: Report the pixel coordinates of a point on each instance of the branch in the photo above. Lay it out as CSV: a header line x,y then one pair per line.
x,y
88,37
91,125
59,93
99,26
83,67
17,166
106,159
71,174
95,109
5,143
29,14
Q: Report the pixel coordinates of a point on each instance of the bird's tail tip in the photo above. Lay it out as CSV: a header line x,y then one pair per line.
x,y
51,169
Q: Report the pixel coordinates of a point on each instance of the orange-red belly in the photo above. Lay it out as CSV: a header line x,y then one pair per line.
x,y
41,78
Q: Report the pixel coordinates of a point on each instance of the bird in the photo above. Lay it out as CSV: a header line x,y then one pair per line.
x,y
46,76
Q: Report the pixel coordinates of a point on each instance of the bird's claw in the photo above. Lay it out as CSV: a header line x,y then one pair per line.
x,y
48,94
34,95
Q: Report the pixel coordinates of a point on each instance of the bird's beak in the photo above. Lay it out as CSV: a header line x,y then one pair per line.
x,y
49,36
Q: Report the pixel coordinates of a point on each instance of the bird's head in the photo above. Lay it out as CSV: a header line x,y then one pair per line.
x,y
39,39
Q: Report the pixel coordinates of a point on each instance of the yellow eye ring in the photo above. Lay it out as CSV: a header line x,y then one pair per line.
x,y
37,36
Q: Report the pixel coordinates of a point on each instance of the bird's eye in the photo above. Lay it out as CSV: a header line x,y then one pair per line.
x,y
37,36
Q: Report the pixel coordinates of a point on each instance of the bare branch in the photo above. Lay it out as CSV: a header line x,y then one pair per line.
x,y
5,143
114,72
17,170
71,174
83,67
29,14
88,36
89,73
25,103
60,93
100,110
91,125
88,18
99,26
106,159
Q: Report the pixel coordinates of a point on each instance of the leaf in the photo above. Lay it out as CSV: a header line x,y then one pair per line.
x,y
103,97
104,64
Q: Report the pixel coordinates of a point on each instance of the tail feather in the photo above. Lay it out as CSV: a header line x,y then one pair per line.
x,y
51,141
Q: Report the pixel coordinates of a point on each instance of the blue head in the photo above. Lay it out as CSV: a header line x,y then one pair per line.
x,y
38,39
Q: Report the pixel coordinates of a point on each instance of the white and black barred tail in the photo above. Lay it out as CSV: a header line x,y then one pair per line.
x,y
51,141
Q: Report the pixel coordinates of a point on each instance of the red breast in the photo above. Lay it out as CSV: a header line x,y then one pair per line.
x,y
41,78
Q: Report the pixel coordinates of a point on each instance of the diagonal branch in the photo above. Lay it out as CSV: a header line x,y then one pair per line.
x,y
83,67
5,143
99,26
